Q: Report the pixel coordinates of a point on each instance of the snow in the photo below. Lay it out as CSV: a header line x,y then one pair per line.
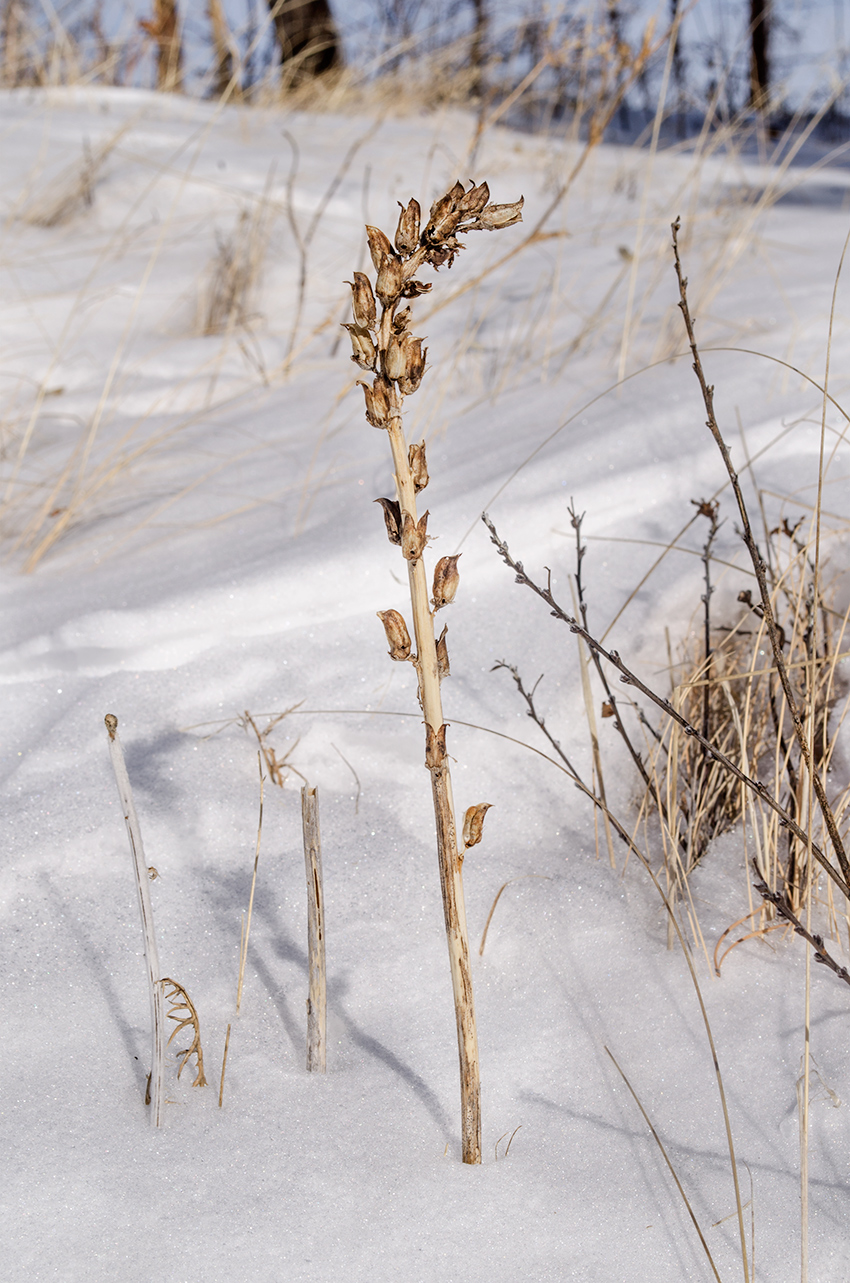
x,y
218,551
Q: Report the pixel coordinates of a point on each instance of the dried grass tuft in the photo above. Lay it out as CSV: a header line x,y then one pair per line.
x,y
182,1011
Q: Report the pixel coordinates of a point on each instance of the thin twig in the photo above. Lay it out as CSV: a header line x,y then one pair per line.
x,y
630,679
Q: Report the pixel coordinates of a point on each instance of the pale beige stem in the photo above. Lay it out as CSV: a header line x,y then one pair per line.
x,y
450,860
317,1002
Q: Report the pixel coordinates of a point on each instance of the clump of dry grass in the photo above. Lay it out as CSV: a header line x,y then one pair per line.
x,y
227,293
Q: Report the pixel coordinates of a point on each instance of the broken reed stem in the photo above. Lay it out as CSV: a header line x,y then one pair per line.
x,y
317,1002
140,869
760,568
223,1067
385,345
243,950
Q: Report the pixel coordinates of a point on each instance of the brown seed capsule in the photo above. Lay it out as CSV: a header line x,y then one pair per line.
x,y
407,234
607,708
377,402
390,279
443,666
398,638
435,746
364,352
473,824
445,215
401,320
418,466
414,537
392,517
395,361
474,200
415,359
379,245
495,217
362,301
446,580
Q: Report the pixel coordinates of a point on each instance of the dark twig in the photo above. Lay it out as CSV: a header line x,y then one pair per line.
x,y
760,569
630,679
783,907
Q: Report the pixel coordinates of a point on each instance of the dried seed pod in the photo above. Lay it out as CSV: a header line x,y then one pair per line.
x,y
414,536
418,466
415,359
607,708
473,823
474,200
398,638
407,234
390,279
445,214
364,353
446,580
443,666
401,320
392,518
378,404
363,301
435,746
379,245
395,361
495,217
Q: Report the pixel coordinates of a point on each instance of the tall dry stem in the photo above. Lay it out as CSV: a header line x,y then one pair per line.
x,y
383,344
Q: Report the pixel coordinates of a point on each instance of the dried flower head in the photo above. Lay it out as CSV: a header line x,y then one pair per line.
x,y
390,279
414,536
398,638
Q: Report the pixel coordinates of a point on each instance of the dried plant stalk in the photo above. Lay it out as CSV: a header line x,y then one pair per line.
x,y
382,342
317,1003
140,869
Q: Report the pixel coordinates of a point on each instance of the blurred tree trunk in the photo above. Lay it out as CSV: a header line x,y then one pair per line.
x,y
307,36
164,27
477,50
222,46
12,70
759,63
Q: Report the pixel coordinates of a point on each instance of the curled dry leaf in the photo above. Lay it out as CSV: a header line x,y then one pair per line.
x,y
182,1011
418,466
443,668
392,518
446,580
473,823
414,536
398,638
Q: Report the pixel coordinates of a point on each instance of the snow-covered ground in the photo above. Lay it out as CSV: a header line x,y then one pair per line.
x,y
189,531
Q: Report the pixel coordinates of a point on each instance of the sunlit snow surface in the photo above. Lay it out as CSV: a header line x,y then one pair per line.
x,y
222,553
